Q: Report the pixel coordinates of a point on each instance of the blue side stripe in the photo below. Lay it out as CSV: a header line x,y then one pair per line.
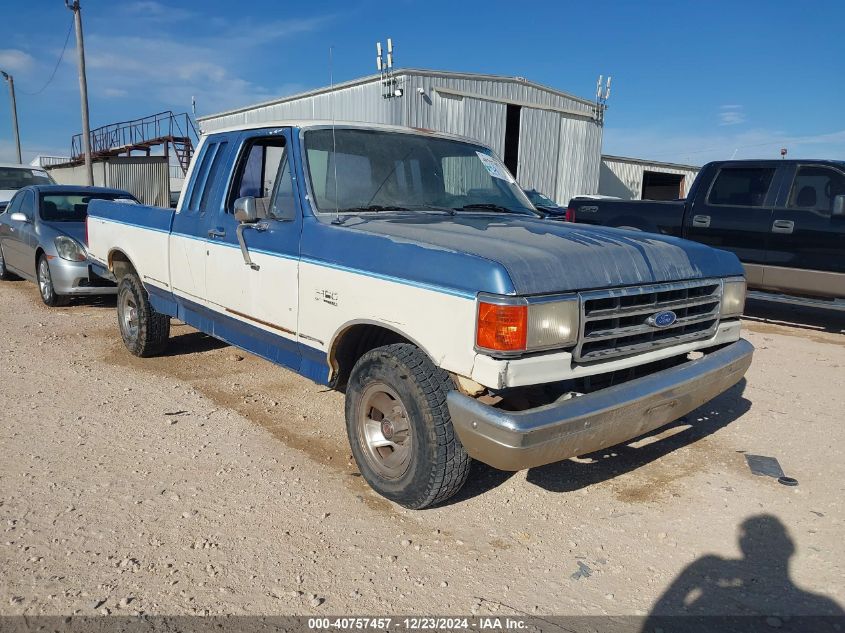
x,y
317,262
303,359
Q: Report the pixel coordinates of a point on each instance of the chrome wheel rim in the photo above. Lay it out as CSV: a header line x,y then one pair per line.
x,y
128,316
384,431
45,282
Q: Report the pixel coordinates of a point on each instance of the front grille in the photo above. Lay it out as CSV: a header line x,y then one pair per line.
x,y
614,322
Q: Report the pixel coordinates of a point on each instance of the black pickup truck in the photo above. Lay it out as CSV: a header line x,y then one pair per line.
x,y
784,219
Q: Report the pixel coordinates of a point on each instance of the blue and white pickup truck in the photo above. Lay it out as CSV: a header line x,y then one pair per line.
x,y
409,270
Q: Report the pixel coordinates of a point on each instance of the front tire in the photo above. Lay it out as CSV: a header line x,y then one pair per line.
x,y
45,285
399,427
5,275
145,332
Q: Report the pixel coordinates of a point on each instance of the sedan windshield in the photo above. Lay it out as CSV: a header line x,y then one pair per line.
x,y
539,199
372,171
73,207
20,177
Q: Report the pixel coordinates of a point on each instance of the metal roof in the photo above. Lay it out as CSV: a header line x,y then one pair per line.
x,y
645,161
398,73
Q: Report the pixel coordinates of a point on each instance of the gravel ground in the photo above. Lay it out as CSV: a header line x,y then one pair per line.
x,y
209,481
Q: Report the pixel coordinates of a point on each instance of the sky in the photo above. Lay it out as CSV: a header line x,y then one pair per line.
x,y
692,81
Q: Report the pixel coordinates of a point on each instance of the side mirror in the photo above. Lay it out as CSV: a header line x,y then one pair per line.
x,y
838,210
20,217
246,211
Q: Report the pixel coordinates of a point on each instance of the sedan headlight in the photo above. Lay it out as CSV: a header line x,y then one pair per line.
x,y
733,297
514,325
70,249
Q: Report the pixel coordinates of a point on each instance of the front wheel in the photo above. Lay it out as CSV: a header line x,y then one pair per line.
x,y
399,427
45,285
5,275
145,332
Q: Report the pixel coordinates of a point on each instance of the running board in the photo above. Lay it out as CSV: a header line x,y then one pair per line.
x,y
832,304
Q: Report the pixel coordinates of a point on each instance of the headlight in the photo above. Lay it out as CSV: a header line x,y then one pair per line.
x,y
733,297
70,249
518,325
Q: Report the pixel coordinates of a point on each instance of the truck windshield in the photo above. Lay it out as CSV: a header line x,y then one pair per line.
x,y
360,171
20,177
72,207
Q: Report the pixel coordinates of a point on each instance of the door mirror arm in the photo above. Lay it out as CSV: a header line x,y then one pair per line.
x,y
258,226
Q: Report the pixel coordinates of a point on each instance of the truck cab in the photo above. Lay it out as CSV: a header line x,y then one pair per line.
x,y
408,270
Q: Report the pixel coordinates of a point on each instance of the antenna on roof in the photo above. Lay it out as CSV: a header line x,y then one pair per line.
x,y
334,140
602,95
390,85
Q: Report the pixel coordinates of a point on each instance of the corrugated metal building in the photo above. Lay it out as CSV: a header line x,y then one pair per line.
x,y
639,179
145,177
550,139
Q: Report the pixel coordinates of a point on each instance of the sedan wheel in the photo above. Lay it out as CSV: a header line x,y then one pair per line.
x,y
45,285
4,274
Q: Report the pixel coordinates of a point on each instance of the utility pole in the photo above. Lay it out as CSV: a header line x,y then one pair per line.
x,y
73,5
11,81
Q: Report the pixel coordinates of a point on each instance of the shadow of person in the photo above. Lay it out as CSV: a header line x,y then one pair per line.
x,y
758,584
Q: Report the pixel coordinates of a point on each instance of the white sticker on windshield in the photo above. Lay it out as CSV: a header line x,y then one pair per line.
x,y
494,167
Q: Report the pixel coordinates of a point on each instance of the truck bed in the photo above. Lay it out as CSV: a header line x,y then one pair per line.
x,y
645,215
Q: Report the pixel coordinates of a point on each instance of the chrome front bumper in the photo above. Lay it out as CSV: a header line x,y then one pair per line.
x,y
510,440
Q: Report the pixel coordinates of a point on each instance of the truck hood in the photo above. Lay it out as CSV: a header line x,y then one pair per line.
x,y
543,256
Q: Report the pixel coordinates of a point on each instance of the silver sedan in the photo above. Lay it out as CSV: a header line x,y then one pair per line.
x,y
42,239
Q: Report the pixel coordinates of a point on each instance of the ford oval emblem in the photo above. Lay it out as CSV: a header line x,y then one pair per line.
x,y
662,319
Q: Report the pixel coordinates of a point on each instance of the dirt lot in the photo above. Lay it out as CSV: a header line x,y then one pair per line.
x,y
210,481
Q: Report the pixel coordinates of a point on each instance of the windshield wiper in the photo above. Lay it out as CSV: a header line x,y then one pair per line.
x,y
369,208
431,207
489,206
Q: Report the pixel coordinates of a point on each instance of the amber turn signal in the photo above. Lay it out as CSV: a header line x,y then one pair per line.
x,y
502,328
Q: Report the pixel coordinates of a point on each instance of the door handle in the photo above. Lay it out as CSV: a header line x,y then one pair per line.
x,y
783,226
217,233
701,220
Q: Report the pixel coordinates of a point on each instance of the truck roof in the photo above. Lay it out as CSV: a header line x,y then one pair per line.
x,y
312,123
71,189
21,166
779,161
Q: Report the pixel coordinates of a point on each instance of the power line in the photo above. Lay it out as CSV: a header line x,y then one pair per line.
x,y
56,68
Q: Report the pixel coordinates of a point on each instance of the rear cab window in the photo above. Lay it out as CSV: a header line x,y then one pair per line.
x,y
741,186
205,176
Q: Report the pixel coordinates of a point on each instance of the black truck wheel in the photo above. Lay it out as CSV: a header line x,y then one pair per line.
x,y
399,427
145,332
